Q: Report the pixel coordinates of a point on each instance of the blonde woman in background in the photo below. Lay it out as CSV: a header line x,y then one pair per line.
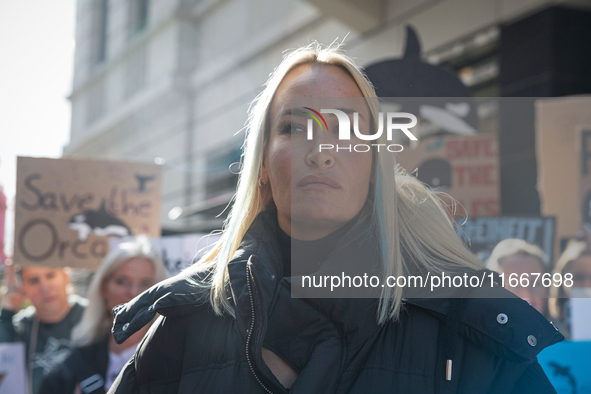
x,y
514,258
91,368
230,323
575,260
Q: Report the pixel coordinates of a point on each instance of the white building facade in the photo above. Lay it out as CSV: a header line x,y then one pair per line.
x,y
171,80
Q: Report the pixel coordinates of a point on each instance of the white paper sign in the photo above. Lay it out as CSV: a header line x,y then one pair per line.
x,y
178,251
580,314
13,376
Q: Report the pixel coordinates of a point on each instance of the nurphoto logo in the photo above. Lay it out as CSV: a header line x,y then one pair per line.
x,y
392,124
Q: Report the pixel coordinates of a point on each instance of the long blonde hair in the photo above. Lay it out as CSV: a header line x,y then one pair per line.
x,y
558,296
96,321
406,213
514,247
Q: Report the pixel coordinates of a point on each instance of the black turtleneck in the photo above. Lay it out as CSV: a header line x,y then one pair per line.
x,y
305,257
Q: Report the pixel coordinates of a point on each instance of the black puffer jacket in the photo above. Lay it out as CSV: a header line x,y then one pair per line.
x,y
335,345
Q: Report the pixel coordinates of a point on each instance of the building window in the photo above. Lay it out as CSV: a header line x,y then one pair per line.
x,y
138,16
135,69
100,20
95,100
475,59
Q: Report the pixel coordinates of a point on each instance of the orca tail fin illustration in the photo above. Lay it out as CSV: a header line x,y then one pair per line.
x,y
413,45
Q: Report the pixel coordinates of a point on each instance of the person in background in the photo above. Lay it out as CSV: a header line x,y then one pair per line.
x,y
515,257
91,368
46,325
575,260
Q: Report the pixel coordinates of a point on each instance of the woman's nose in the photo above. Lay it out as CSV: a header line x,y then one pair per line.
x,y
321,150
320,157
44,286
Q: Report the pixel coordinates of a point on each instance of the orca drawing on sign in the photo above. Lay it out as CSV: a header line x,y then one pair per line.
x,y
431,91
564,372
142,180
99,223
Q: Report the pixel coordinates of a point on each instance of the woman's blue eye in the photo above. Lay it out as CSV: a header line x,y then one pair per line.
x,y
290,128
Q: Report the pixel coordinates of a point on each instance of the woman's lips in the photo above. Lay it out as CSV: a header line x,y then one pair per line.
x,y
318,182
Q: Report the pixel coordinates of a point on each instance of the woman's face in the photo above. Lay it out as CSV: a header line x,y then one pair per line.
x,y
315,192
129,280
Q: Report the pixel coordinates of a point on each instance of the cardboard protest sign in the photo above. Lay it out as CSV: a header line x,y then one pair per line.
x,y
13,376
584,139
2,218
466,168
560,123
66,209
484,233
179,251
566,365
580,314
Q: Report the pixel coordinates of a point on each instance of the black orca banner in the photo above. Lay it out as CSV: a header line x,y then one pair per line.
x,y
482,234
66,210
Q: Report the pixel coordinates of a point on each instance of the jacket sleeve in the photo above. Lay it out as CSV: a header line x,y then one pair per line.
x,y
125,382
534,381
7,330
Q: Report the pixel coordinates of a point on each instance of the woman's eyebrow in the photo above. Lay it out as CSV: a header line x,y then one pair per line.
x,y
291,111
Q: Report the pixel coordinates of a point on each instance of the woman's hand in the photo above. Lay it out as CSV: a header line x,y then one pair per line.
x,y
12,293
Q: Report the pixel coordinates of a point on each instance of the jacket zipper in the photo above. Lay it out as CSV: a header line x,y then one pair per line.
x,y
250,331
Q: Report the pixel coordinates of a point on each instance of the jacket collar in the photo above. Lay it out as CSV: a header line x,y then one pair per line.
x,y
355,317
506,325
260,241
182,294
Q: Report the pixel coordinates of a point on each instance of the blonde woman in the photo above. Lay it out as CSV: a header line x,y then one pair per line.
x,y
517,258
230,323
92,367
